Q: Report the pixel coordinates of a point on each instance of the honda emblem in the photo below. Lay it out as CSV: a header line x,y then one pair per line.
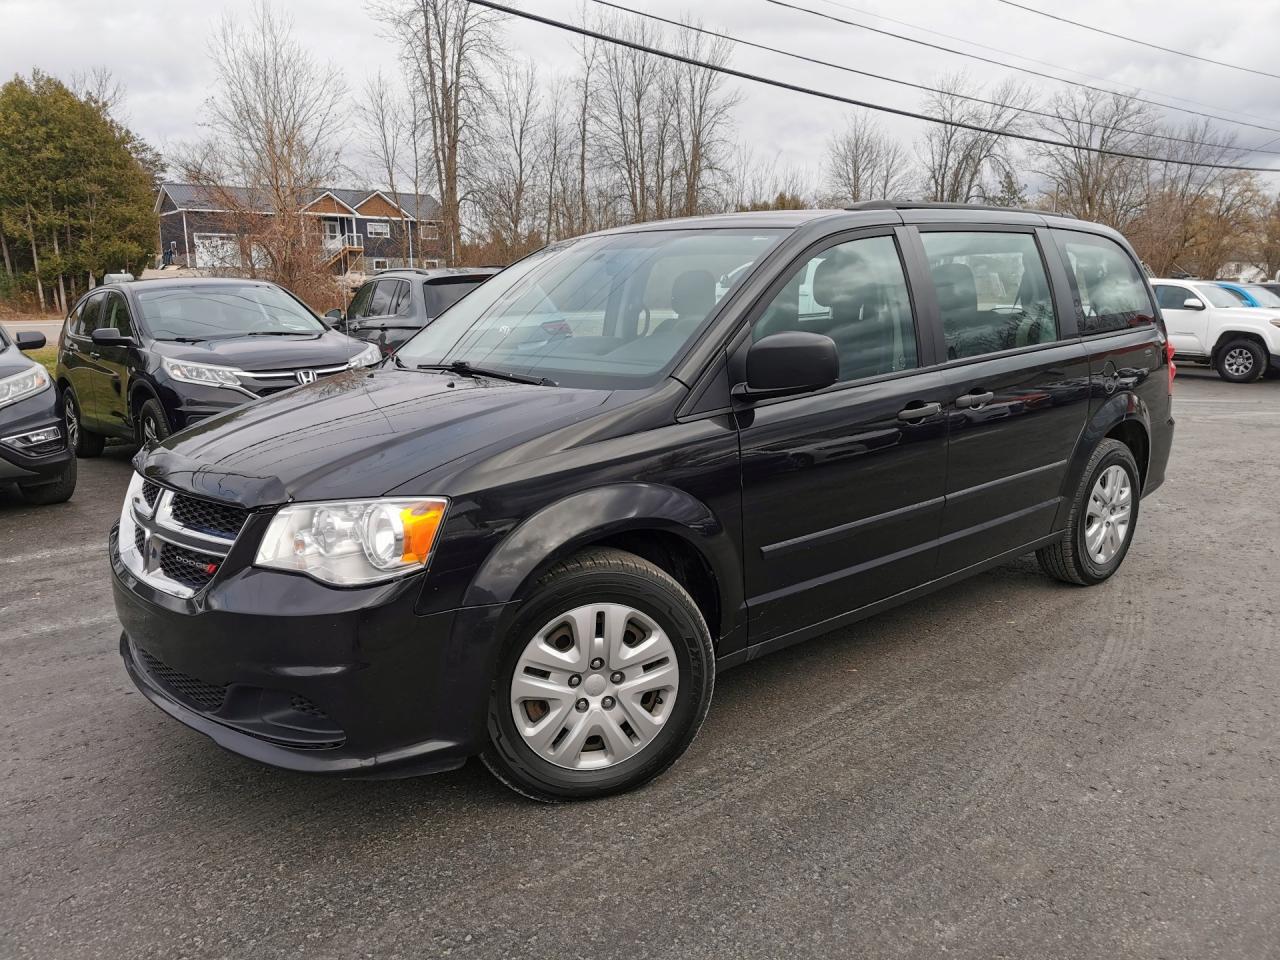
x,y
306,376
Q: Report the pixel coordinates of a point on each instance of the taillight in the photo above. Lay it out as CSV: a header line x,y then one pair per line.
x,y
1173,369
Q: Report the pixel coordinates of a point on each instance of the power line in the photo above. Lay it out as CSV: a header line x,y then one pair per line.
x,y
1043,63
908,83
809,91
1142,43
1010,66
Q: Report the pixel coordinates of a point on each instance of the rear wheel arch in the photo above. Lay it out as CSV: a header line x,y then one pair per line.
x,y
1123,417
1133,434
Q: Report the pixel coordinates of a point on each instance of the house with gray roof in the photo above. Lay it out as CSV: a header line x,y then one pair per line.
x,y
361,231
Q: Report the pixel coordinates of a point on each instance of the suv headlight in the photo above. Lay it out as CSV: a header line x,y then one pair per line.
x,y
22,385
353,542
366,357
205,374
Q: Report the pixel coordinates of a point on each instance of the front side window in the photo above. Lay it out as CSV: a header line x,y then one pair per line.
x,y
1240,299
992,290
1172,298
89,314
856,294
224,310
613,311
1113,295
402,299
380,305
360,302
115,314
1219,296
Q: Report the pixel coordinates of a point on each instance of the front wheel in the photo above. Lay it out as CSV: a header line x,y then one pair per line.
x,y
1241,361
153,426
606,678
1104,513
59,491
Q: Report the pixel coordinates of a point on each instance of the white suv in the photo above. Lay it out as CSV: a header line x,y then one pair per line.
x,y
1206,324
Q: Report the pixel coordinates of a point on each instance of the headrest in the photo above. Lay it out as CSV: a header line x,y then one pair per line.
x,y
836,279
956,289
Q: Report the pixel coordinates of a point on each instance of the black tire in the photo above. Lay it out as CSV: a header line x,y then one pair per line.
x,y
603,575
1068,560
59,491
85,443
1240,361
152,423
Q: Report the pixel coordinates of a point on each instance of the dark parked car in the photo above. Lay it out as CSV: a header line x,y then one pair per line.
x,y
539,530
33,447
396,304
140,360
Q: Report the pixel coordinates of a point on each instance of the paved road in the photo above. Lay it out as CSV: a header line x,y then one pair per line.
x,y
50,328
1009,768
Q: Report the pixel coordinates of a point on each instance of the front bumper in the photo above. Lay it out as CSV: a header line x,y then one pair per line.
x,y
36,412
289,672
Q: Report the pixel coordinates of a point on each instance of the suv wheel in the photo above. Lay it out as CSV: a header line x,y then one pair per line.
x,y
59,491
82,441
1241,361
153,426
1103,515
604,682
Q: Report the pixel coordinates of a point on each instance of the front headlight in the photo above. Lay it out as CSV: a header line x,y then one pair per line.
x,y
22,385
366,357
353,542
205,374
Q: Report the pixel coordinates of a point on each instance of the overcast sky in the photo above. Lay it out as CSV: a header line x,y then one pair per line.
x,y
160,52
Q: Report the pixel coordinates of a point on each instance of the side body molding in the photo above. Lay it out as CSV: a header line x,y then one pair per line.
x,y
590,515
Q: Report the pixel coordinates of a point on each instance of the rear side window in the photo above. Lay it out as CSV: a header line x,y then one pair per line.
x,y
1112,293
856,294
993,292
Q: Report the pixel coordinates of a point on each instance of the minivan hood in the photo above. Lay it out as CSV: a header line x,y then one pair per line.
x,y
330,348
356,434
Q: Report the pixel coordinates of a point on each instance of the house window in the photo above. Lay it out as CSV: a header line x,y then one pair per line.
x,y
332,229
378,263
378,228
429,230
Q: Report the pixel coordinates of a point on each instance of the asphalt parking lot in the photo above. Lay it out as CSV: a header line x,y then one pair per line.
x,y
1011,767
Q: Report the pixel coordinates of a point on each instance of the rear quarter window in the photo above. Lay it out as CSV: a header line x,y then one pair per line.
x,y
1109,288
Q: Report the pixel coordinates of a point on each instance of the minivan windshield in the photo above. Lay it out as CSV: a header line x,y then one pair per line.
x,y
612,311
225,310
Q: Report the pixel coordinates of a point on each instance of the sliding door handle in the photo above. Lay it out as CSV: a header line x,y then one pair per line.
x,y
972,400
921,412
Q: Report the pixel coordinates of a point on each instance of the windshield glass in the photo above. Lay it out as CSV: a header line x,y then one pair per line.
x,y
1217,296
611,312
1264,296
227,310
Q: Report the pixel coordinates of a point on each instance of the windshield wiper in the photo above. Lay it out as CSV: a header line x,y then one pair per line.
x,y
467,370
186,339
281,333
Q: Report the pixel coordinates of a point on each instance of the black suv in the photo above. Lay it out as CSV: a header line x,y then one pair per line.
x,y
33,447
142,359
628,462
396,304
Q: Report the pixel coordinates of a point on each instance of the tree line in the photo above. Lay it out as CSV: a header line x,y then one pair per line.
x,y
76,188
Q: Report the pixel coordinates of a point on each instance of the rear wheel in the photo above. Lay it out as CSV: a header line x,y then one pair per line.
x,y
1241,361
82,441
606,678
59,491
1103,516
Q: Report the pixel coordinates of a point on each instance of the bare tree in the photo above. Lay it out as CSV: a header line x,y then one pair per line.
x,y
276,119
703,115
388,130
512,157
447,46
864,163
959,162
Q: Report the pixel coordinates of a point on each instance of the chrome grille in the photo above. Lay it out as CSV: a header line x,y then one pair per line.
x,y
173,541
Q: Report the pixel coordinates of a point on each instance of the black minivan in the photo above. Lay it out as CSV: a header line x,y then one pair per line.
x,y
633,460
141,359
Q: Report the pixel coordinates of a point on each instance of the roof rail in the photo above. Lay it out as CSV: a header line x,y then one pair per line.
x,y
932,205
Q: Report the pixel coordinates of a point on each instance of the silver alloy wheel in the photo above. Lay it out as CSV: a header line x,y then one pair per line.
x,y
1106,519
1238,362
73,423
149,429
595,686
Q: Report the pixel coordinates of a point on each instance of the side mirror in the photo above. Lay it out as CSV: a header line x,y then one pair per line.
x,y
790,362
1193,303
29,340
110,337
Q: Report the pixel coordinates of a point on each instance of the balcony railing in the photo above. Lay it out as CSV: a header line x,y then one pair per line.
x,y
344,241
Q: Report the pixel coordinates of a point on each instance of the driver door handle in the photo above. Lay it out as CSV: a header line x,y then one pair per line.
x,y
975,399
921,412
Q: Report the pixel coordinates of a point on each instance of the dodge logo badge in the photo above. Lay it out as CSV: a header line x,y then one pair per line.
x,y
306,376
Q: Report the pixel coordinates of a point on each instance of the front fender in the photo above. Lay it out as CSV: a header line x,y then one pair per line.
x,y
591,515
